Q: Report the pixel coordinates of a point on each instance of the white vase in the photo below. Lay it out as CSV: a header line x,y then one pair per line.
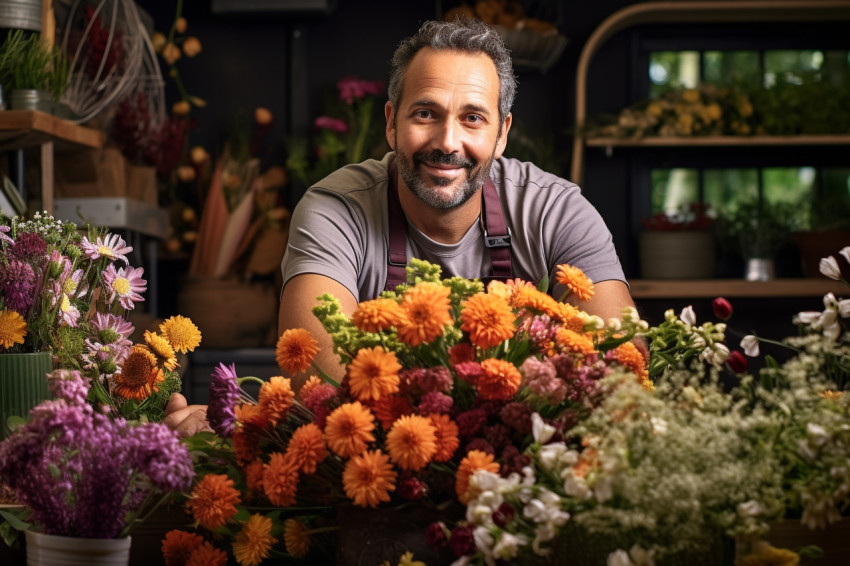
x,y
54,550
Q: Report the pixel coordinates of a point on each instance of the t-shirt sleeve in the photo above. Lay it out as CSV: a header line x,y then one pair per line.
x,y
324,239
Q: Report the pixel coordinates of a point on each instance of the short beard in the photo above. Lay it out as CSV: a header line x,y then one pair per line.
x,y
416,181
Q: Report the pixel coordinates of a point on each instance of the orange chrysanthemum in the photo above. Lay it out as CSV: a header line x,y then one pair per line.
x,y
488,319
447,437
181,333
250,415
377,315
528,297
312,382
296,536
500,289
214,501
412,442
280,482
475,460
575,280
348,429
178,545
389,408
831,395
138,376
252,544
246,443
569,316
13,328
373,373
276,398
627,354
254,473
207,555
295,350
427,311
307,447
163,350
500,380
369,478
571,341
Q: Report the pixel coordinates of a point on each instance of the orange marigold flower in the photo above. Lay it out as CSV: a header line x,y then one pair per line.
x,y
254,474
831,395
500,380
369,478
312,382
570,316
246,443
488,319
252,544
426,311
307,447
214,501
178,545
207,555
475,460
373,373
587,460
412,442
280,482
628,355
349,428
389,408
528,297
295,351
138,375
251,415
571,341
276,398
296,536
447,437
574,279
377,315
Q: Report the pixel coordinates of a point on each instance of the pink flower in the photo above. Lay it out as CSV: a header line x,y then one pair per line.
x,y
435,402
126,285
113,247
435,379
328,123
351,87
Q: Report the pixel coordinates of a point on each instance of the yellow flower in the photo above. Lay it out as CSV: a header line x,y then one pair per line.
x,y
181,333
253,542
407,560
171,53
765,555
162,349
13,328
296,537
181,108
192,46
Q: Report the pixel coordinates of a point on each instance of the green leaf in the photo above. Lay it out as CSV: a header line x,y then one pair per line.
x,y
13,519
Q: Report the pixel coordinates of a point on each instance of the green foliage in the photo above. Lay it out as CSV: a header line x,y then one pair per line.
x,y
26,62
759,229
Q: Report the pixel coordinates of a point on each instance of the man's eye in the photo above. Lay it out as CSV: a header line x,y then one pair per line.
x,y
422,113
474,118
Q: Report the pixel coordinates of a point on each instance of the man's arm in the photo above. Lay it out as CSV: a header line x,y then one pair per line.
x,y
296,311
608,301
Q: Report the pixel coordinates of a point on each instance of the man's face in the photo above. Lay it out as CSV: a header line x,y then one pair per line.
x,y
446,129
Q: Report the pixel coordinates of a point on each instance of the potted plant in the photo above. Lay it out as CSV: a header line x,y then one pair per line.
x,y
34,74
680,245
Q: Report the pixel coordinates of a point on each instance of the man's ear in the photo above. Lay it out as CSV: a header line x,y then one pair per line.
x,y
388,114
502,142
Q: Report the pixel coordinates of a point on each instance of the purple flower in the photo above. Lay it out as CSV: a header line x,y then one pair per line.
x,y
4,237
112,247
159,454
462,541
517,415
328,123
435,402
69,385
224,396
125,285
351,88
17,285
29,246
437,378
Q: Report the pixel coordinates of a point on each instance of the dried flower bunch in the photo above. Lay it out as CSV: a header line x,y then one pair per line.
x,y
70,294
83,474
442,378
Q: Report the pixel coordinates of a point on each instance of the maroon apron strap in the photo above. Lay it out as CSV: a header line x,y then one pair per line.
x,y
497,235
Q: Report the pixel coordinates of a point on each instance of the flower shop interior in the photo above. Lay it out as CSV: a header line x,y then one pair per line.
x,y
711,135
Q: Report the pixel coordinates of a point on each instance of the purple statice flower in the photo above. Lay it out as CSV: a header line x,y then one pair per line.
x,y
224,396
69,385
351,88
437,378
126,285
112,247
28,246
498,435
333,124
541,379
409,379
435,402
469,422
17,285
3,237
517,415
481,445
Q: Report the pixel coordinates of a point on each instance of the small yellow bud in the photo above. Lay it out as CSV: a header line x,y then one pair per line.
x,y
159,40
190,236
172,245
189,215
171,53
192,46
232,182
181,108
186,173
180,25
263,116
198,155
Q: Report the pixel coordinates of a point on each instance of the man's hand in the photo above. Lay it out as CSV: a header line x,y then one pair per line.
x,y
184,418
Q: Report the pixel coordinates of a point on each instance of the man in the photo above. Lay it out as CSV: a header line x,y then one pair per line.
x,y
448,116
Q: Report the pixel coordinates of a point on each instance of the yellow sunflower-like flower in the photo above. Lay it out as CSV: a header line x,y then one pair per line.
x,y
160,346
412,442
575,280
373,373
296,537
139,374
427,311
295,350
377,315
181,333
252,544
13,328
488,319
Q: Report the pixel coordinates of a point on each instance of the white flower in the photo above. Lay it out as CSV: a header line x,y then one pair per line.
x,y
832,332
485,481
479,515
844,308
750,508
542,432
829,267
535,510
659,425
484,542
594,322
619,558
551,454
688,316
576,487
614,324
642,557
845,253
808,317
750,345
818,436
508,545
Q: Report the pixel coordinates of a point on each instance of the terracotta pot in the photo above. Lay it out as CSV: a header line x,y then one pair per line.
x,y
53,550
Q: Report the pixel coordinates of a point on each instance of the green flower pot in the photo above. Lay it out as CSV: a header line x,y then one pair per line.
x,y
23,384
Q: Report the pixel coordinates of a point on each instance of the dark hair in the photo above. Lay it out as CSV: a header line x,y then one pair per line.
x,y
466,35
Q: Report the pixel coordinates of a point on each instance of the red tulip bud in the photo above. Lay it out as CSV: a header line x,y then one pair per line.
x,y
737,362
722,308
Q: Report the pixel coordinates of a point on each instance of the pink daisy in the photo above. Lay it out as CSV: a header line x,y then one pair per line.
x,y
127,285
113,247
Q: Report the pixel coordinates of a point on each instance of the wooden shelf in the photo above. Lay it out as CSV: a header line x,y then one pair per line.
x,y
717,141
31,128
711,288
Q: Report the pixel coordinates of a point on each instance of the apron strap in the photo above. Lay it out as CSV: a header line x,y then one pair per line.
x,y
497,235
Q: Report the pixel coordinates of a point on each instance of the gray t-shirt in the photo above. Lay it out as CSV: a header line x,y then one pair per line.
x,y
339,229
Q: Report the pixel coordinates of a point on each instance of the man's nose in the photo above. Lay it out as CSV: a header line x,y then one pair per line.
x,y
448,137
